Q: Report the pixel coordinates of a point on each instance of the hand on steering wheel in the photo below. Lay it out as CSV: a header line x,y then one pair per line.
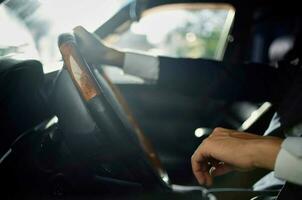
x,y
95,51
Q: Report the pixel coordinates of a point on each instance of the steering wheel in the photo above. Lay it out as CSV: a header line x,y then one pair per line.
x,y
118,133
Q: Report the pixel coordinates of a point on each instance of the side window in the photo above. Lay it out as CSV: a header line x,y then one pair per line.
x,y
30,28
194,30
15,39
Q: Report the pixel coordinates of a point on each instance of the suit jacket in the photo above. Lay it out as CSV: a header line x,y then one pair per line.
x,y
280,85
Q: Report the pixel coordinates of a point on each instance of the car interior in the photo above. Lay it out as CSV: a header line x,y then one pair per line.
x,y
90,131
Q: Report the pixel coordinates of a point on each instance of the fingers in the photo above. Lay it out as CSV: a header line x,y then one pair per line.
x,y
208,178
222,169
89,45
81,32
204,170
198,171
200,166
201,173
204,163
85,38
230,146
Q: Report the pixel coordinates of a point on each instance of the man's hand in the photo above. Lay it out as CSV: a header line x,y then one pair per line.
x,y
226,150
95,51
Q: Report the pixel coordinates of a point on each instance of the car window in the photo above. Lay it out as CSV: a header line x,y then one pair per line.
x,y
15,39
195,30
30,28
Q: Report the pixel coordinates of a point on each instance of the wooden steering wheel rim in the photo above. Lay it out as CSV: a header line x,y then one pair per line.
x,y
89,88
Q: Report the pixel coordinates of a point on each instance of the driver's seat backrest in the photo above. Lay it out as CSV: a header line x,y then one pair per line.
x,y
20,102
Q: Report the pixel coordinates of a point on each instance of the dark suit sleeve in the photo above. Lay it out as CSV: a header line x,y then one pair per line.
x,y
249,82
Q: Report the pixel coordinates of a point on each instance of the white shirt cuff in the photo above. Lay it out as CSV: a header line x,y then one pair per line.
x,y
143,66
288,164
293,145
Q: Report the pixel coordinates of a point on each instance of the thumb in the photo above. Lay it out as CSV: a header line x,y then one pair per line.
x,y
85,37
81,32
222,169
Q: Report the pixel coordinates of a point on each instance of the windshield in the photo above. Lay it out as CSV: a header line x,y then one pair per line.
x,y
193,30
29,29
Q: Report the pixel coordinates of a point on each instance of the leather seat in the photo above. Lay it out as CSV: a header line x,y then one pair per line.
x,y
21,102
